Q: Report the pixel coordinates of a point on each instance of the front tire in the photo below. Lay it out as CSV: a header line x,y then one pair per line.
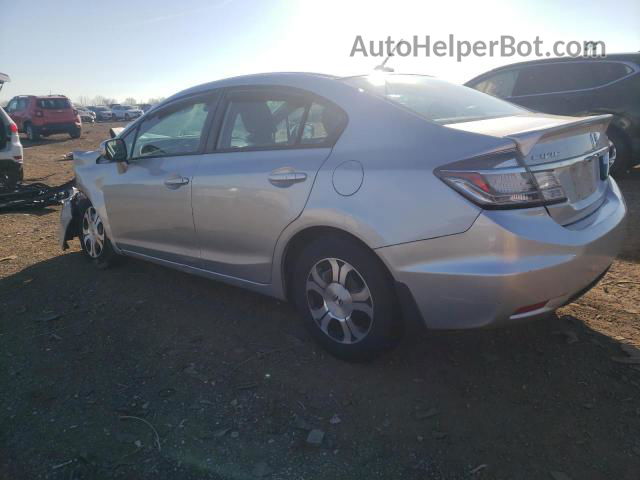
x,y
96,246
75,133
345,296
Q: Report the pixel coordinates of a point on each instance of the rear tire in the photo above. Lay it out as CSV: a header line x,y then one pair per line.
x,y
32,133
96,246
346,299
75,133
622,165
9,176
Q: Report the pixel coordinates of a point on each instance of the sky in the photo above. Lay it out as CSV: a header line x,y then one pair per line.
x,y
144,48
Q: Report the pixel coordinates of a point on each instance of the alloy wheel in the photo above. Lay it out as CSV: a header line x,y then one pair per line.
x,y
92,233
339,300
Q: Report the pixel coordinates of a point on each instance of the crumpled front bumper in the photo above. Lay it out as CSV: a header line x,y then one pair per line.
x,y
507,260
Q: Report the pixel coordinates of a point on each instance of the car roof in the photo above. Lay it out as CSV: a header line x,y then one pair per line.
x,y
614,57
256,79
47,97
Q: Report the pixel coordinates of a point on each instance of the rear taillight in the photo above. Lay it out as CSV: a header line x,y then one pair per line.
x,y
499,181
13,128
39,113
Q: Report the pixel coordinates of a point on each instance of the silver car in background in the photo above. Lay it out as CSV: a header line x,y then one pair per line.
x,y
125,112
366,201
103,113
85,114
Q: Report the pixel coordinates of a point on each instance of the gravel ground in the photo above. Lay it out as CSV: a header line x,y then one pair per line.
x,y
144,372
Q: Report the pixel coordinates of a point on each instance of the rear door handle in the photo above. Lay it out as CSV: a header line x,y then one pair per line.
x,y
286,179
176,182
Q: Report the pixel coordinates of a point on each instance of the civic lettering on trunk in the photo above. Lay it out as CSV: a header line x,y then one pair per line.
x,y
545,156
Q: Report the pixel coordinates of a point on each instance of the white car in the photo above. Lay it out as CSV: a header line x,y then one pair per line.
x,y
10,153
125,112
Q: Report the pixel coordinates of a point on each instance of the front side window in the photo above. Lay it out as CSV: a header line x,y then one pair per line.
x,y
436,100
499,85
175,130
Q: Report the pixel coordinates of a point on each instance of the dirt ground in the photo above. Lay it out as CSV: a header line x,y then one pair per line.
x,y
144,372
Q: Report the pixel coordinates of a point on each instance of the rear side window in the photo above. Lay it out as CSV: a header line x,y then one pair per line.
x,y
607,72
499,85
257,123
176,130
273,120
53,103
556,77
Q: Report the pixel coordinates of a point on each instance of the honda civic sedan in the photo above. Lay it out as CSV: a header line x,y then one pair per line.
x,y
368,201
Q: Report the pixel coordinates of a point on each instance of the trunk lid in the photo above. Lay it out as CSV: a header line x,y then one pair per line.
x,y
574,150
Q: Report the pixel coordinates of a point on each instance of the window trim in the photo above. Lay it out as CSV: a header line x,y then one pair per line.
x,y
212,97
281,90
634,71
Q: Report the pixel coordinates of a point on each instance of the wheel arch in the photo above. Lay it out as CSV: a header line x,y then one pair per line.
x,y
301,238
616,127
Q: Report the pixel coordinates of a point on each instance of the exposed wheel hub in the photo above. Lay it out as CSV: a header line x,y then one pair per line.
x,y
338,300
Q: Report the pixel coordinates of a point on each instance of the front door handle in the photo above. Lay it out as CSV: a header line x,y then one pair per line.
x,y
286,179
176,182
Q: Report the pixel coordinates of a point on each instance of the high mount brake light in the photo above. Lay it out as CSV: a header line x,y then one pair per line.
x,y
499,181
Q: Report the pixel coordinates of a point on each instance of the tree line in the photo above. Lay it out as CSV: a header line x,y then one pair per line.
x,y
101,100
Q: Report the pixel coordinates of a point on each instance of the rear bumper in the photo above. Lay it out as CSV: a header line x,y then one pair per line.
x,y
506,261
58,127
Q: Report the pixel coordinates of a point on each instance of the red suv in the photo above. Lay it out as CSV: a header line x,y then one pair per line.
x,y
38,116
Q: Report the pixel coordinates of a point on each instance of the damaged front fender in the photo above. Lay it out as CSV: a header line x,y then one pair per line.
x,y
69,219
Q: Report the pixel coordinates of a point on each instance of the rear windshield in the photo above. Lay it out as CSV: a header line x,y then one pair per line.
x,y
434,99
53,103
100,109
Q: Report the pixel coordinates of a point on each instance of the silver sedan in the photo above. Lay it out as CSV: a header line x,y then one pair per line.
x,y
366,201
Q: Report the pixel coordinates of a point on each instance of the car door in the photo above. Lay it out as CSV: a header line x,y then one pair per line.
x,y
148,202
270,145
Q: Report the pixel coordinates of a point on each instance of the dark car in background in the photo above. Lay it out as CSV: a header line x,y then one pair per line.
x,y
44,115
577,86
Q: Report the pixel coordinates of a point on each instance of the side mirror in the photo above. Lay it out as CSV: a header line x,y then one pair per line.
x,y
115,150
